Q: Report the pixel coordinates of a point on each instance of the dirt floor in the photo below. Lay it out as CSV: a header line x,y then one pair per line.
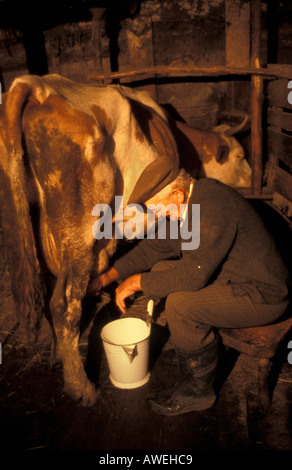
x,y
35,413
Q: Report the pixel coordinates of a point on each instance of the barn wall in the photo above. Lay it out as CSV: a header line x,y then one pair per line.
x,y
164,32
191,36
169,32
82,38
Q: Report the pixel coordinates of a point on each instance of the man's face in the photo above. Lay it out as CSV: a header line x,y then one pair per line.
x,y
167,203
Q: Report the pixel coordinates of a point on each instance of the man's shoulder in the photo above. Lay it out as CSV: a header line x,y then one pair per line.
x,y
213,194
212,188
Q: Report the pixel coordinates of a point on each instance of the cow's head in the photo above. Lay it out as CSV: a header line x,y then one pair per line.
x,y
229,164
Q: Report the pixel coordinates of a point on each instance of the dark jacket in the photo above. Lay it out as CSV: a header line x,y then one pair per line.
x,y
235,248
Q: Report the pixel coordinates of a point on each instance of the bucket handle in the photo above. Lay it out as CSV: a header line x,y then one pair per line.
x,y
131,351
150,307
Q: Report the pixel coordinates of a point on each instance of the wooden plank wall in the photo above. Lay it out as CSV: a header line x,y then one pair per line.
x,y
279,137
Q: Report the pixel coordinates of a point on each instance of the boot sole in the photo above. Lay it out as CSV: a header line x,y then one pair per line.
x,y
187,409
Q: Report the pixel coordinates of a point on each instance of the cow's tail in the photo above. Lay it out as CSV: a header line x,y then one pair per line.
x,y
27,282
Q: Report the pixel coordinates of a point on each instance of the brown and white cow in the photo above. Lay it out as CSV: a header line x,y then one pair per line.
x,y
213,154
64,148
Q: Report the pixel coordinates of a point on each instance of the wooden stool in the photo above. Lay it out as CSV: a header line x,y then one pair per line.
x,y
262,343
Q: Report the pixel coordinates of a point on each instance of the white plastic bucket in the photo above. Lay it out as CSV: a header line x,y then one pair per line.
x,y
126,345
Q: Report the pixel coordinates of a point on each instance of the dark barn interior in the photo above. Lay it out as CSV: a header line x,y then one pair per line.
x,y
208,62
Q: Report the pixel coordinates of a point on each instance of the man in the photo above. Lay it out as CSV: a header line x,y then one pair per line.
x,y
234,278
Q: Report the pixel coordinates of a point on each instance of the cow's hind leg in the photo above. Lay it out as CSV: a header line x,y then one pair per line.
x,y
66,309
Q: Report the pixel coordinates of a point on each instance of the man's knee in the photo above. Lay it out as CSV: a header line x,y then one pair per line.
x,y
181,306
172,305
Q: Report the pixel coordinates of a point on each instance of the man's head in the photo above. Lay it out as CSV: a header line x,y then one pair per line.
x,y
172,196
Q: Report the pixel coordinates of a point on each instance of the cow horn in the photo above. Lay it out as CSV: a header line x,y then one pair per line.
x,y
236,129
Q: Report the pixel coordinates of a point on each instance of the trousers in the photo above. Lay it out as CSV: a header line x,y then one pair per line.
x,y
193,317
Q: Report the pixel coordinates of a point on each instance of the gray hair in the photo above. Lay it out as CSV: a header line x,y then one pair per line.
x,y
182,181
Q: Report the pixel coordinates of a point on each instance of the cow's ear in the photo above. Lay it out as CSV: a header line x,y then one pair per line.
x,y
222,154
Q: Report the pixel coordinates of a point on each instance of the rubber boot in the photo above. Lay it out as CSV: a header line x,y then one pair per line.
x,y
195,388
169,357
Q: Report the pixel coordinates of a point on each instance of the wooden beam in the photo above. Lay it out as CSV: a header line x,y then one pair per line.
x,y
237,33
277,95
191,71
281,119
98,15
280,181
256,99
284,69
280,145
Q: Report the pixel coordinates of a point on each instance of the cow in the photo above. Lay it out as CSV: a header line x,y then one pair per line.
x,y
66,147
214,153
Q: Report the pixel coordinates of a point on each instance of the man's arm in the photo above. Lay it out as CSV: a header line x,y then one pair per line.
x,y
140,259
97,283
127,288
145,255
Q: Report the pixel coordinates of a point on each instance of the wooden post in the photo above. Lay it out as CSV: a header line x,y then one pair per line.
x,y
97,18
256,99
140,48
237,33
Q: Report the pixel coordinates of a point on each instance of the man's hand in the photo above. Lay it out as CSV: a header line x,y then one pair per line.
x,y
127,288
97,283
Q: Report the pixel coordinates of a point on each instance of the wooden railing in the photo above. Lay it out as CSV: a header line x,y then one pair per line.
x,y
271,71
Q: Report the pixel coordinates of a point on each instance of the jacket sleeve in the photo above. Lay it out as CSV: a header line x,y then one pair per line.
x,y
197,267
145,255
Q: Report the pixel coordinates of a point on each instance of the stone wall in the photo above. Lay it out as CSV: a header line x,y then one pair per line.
x,y
157,32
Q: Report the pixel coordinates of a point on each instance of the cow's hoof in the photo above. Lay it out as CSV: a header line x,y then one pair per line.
x,y
87,395
90,395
